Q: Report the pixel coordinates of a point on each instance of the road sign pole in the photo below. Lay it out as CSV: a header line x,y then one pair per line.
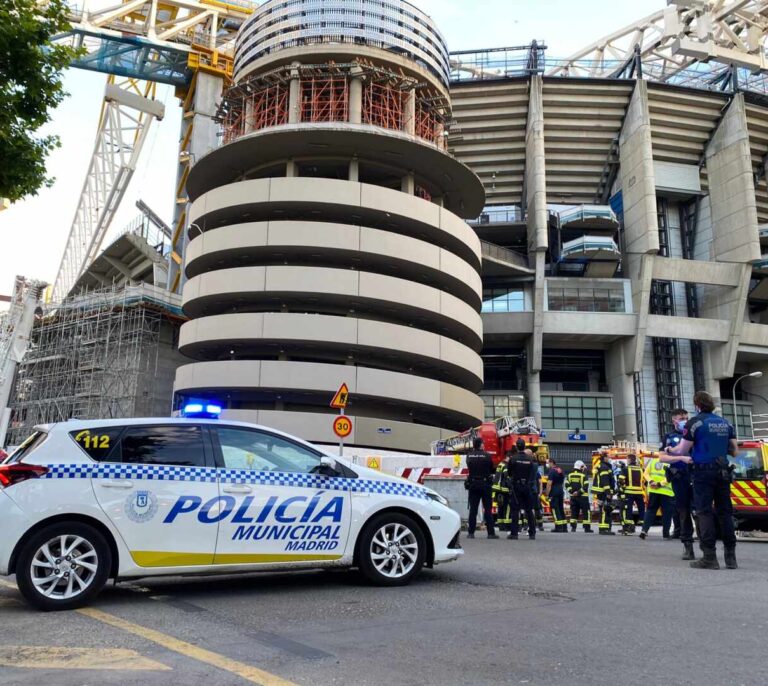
x,y
341,440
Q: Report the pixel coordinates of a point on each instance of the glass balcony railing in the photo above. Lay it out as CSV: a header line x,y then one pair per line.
x,y
585,213
591,246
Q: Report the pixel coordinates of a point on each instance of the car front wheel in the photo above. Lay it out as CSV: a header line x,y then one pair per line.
x,y
63,566
392,550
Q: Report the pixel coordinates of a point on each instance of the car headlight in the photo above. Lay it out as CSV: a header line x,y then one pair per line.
x,y
434,495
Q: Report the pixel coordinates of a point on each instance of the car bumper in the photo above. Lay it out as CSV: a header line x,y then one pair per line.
x,y
14,523
446,539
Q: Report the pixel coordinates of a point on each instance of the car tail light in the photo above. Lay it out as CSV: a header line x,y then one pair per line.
x,y
11,474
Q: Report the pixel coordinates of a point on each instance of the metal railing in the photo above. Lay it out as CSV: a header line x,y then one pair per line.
x,y
497,252
501,215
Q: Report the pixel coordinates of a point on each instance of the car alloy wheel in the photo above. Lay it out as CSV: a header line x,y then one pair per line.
x,y
394,550
64,567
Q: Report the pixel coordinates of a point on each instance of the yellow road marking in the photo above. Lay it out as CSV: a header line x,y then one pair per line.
x,y
47,657
244,671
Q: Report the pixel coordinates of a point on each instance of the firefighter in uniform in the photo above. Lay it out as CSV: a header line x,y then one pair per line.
x,y
501,495
578,486
555,495
631,480
603,486
521,470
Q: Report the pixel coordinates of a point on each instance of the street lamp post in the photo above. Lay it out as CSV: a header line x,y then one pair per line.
x,y
753,375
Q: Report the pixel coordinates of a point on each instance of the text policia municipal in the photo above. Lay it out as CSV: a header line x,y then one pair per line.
x,y
310,525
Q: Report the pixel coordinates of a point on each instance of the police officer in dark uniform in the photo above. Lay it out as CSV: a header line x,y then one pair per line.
x,y
680,477
706,442
478,484
521,469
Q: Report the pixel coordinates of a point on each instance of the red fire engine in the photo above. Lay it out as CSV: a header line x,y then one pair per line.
x,y
499,437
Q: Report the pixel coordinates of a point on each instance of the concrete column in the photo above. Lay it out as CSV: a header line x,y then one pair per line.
x,y
408,183
622,386
536,341
294,95
535,174
732,188
534,396
248,123
641,228
203,138
638,181
290,168
356,97
354,169
410,113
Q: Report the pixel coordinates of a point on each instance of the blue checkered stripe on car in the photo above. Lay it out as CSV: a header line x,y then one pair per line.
x,y
236,476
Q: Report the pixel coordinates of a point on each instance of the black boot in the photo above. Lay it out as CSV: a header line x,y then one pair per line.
x,y
587,529
730,558
688,552
709,561
573,527
607,532
512,537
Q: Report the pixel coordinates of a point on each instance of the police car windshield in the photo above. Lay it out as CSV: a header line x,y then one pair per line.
x,y
32,442
748,464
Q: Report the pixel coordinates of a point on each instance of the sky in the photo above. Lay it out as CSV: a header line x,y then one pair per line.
x,y
34,231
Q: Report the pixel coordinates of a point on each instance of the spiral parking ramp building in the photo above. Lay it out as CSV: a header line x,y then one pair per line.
x,y
327,238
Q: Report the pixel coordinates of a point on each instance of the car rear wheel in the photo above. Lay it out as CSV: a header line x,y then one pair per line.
x,y
392,550
63,566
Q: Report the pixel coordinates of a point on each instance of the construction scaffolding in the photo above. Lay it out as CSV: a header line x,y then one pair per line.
x,y
97,355
324,96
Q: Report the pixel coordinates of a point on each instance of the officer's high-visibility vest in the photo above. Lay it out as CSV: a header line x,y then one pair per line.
x,y
634,480
655,471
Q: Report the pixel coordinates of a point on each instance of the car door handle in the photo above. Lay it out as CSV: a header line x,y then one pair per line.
x,y
237,489
116,483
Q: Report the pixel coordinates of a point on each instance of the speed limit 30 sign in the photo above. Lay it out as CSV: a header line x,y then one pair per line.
x,y
342,426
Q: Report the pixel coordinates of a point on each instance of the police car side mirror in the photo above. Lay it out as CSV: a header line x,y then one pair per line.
x,y
328,465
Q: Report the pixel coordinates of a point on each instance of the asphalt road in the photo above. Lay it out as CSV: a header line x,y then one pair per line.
x,y
564,609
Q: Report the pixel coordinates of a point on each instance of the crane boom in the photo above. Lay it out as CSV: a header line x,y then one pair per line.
x,y
15,329
126,116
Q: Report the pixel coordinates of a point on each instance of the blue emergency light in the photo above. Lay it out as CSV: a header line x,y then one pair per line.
x,y
201,410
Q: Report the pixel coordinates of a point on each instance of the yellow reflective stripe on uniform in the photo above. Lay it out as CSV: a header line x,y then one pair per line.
x,y
634,480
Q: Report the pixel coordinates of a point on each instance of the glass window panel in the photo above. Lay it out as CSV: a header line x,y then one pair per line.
x,y
604,413
561,412
590,413
574,402
589,402
589,424
605,425
559,401
561,424
546,401
603,402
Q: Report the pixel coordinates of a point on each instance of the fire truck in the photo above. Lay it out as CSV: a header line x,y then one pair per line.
x,y
749,490
499,438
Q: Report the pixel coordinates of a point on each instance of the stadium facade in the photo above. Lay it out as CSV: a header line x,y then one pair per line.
x,y
458,243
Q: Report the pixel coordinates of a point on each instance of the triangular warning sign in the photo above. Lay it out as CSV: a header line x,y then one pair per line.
x,y
340,399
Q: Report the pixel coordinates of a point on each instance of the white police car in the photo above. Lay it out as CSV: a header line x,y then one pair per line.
x,y
85,501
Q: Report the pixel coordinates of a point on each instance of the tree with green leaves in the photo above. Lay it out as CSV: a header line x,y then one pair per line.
x,y
31,87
